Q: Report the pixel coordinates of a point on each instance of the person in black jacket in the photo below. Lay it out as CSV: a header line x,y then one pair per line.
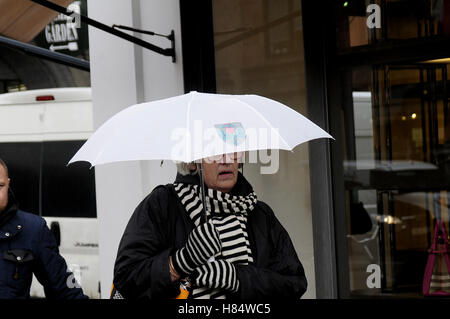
x,y
241,252
27,246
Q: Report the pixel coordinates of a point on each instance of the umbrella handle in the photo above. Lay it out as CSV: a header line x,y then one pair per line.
x,y
202,185
204,217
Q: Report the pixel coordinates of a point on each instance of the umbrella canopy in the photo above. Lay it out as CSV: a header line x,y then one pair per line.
x,y
196,125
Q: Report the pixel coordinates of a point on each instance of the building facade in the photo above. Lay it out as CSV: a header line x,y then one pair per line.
x,y
360,209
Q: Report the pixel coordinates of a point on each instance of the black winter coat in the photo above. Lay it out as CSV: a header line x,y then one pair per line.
x,y
27,246
160,225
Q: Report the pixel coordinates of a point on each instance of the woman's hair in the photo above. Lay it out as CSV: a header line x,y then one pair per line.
x,y
185,169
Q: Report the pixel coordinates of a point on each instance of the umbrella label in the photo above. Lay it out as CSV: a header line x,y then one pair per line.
x,y
231,133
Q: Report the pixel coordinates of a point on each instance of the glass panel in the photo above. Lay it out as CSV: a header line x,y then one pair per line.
x,y
362,22
259,50
67,191
397,171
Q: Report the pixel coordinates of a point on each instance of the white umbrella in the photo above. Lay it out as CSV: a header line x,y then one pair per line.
x,y
196,125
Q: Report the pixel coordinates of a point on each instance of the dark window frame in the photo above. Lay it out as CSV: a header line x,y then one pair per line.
x,y
197,34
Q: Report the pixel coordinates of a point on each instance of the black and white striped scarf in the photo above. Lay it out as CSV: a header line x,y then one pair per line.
x,y
229,215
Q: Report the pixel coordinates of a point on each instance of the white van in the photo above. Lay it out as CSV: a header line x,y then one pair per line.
x,y
40,130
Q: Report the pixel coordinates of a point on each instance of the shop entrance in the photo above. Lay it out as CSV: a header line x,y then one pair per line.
x,y
393,113
396,170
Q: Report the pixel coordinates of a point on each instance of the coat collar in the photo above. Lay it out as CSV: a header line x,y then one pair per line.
x,y
11,228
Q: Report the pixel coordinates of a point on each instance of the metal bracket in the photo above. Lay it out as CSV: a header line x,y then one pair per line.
x,y
170,37
167,52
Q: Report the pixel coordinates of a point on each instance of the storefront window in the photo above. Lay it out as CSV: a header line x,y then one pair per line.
x,y
259,50
397,157
363,22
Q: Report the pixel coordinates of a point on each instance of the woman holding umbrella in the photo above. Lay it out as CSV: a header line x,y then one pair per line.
x,y
240,252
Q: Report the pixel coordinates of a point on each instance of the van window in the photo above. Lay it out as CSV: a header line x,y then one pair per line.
x,y
23,160
67,191
43,183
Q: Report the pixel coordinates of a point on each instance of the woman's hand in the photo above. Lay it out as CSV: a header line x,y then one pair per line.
x,y
217,274
202,244
174,275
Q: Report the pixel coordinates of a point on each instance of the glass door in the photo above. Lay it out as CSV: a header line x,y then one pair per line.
x,y
394,138
396,170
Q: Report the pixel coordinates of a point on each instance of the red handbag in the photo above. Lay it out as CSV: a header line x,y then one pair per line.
x,y
436,281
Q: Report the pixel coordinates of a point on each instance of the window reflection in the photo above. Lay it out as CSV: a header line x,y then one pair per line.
x,y
397,171
259,50
399,20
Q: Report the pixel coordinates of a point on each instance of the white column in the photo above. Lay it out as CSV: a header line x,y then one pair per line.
x,y
123,74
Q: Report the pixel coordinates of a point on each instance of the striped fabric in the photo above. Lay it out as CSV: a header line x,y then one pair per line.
x,y
203,242
217,274
440,278
228,213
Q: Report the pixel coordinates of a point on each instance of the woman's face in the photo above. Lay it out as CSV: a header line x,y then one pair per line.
x,y
221,173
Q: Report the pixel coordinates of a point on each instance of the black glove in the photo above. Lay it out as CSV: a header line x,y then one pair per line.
x,y
217,274
203,242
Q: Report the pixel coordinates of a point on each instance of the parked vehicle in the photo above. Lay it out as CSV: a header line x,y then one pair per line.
x,y
40,130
